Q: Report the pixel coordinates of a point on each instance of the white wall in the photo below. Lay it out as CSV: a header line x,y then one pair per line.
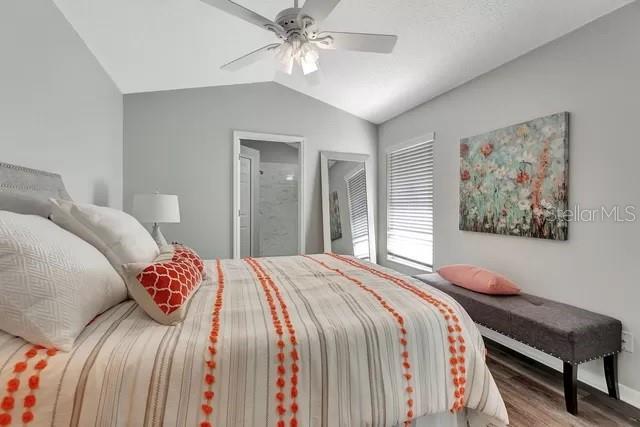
x,y
180,142
59,111
594,73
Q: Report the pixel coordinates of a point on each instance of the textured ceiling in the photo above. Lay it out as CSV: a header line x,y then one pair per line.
x,y
151,45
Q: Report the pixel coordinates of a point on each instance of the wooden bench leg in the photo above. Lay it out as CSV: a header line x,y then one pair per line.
x,y
611,374
570,373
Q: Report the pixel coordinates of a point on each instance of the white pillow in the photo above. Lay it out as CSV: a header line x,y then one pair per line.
x,y
52,283
118,235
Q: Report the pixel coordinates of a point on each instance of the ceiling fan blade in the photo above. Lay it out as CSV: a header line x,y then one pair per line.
x,y
250,58
377,43
318,10
245,14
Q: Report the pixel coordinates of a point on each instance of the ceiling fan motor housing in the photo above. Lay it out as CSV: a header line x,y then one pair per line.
x,y
290,20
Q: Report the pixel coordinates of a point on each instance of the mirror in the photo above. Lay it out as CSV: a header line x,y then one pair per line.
x,y
346,205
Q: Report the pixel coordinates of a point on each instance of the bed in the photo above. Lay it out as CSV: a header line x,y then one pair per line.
x,y
317,340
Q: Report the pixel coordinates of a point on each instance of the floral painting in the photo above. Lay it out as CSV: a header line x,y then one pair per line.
x,y
514,180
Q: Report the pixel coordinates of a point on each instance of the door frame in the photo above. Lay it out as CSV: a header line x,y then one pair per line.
x,y
239,135
254,156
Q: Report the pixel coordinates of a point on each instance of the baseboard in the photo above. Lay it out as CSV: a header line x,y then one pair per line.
x,y
627,394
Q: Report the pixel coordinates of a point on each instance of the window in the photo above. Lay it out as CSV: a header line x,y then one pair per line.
x,y
358,213
410,203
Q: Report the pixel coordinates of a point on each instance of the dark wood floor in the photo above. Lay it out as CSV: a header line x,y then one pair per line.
x,y
534,397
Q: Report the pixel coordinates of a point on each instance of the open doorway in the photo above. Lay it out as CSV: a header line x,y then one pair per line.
x,y
268,189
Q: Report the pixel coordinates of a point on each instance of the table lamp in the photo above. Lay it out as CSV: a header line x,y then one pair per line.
x,y
156,208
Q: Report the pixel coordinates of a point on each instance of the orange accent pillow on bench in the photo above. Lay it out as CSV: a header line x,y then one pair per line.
x,y
478,279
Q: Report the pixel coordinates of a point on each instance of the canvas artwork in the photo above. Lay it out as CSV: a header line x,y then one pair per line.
x,y
514,180
334,216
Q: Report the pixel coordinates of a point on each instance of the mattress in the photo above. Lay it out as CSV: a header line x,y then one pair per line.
x,y
320,340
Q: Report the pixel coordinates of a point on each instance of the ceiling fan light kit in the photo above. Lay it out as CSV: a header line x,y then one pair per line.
x,y
300,52
297,28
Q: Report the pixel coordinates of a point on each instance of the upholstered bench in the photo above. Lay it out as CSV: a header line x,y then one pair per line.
x,y
569,333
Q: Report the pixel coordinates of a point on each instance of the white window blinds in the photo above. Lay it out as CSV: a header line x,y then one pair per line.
x,y
358,213
410,204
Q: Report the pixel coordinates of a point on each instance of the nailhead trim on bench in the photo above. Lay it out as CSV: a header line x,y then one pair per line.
x,y
546,352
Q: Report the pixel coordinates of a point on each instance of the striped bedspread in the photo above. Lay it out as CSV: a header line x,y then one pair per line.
x,y
319,340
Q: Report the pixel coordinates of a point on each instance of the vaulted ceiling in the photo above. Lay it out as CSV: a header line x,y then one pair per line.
x,y
152,45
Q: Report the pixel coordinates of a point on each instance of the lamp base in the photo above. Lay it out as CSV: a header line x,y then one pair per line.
x,y
157,235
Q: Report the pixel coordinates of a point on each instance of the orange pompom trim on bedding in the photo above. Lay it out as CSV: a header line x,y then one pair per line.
x,y
5,419
12,385
8,402
210,364
453,322
20,367
27,417
268,285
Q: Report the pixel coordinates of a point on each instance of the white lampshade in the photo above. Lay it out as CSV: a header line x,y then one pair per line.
x,y
152,208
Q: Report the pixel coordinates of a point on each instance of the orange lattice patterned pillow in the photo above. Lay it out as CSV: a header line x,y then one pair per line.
x,y
182,251
164,287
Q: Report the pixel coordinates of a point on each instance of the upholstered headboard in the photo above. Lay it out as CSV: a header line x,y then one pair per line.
x,y
27,191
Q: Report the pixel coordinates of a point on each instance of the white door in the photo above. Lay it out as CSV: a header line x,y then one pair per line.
x,y
249,184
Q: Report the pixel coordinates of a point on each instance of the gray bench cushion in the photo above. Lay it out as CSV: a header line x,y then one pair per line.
x,y
566,332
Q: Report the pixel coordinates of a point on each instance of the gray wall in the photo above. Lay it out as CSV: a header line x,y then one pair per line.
x,y
180,142
594,74
59,110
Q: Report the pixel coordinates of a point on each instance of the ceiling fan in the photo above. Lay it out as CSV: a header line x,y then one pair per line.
x,y
300,37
